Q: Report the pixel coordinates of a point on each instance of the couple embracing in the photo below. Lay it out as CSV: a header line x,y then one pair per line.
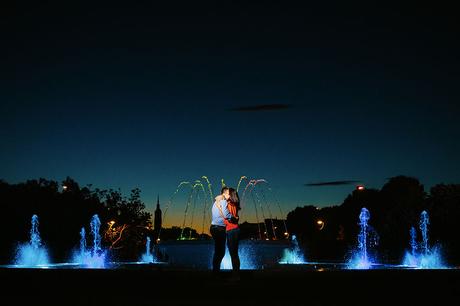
x,y
225,230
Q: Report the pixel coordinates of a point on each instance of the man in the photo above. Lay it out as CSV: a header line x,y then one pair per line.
x,y
218,232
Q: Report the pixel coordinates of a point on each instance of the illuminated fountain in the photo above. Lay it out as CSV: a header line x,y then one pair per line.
x,y
199,192
195,194
247,258
254,253
268,236
96,256
263,206
293,255
421,255
147,256
361,259
33,253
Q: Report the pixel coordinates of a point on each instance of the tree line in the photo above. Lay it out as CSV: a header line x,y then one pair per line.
x,y
64,208
330,233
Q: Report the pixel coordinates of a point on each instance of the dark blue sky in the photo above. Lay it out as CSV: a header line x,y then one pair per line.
x,y
148,95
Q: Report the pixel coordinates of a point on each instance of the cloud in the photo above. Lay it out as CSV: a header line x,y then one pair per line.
x,y
261,108
331,183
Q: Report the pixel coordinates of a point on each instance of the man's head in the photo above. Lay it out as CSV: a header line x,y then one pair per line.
x,y
225,192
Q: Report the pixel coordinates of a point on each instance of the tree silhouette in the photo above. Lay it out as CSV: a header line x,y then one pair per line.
x,y
443,203
394,209
63,209
127,223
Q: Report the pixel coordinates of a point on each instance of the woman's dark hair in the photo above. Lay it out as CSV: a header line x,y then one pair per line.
x,y
234,198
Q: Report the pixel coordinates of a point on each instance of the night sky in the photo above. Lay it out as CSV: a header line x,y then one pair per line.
x,y
148,95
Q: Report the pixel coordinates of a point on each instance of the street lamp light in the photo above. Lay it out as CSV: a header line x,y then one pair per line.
x,y
111,223
320,224
360,187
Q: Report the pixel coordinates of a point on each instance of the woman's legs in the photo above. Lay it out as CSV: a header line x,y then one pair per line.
x,y
232,244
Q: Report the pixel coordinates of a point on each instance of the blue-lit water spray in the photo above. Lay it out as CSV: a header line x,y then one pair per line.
x,y
247,259
361,258
147,256
413,240
421,255
424,221
293,255
96,256
82,242
33,253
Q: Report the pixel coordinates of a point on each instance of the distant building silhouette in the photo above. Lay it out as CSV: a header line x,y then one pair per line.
x,y
157,220
270,229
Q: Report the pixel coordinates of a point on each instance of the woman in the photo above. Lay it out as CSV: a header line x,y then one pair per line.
x,y
233,230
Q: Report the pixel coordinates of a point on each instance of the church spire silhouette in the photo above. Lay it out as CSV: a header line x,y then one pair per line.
x,y
157,220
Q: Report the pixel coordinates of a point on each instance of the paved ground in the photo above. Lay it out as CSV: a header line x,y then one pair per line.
x,y
276,286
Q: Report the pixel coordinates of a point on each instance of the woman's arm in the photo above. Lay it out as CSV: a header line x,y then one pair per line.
x,y
225,210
